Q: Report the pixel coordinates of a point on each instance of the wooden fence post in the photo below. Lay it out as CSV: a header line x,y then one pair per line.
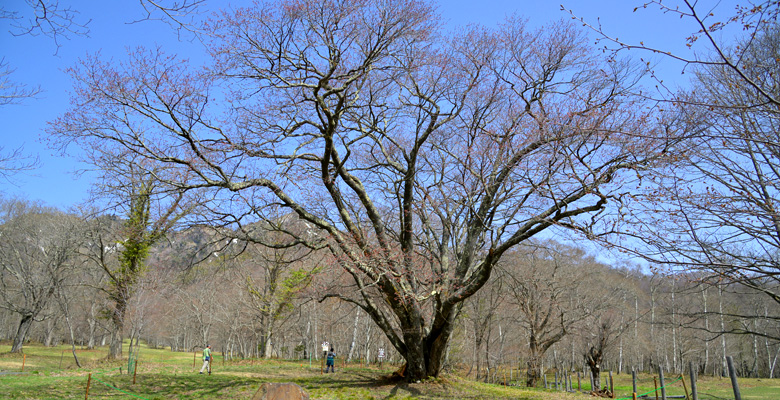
x,y
592,380
633,380
579,382
655,382
194,354
661,381
611,386
545,381
563,381
687,396
694,395
89,380
135,370
733,375
24,360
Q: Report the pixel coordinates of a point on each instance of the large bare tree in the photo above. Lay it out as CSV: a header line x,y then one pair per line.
x,y
419,159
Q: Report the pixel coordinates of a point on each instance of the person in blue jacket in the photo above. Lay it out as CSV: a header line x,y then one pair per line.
x,y
330,361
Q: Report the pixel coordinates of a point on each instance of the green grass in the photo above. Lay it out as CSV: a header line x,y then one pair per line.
x,y
163,374
714,388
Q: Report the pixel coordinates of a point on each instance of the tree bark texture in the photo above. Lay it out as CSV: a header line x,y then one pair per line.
x,y
21,333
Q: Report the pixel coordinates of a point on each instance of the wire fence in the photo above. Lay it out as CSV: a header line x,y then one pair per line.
x,y
654,390
108,384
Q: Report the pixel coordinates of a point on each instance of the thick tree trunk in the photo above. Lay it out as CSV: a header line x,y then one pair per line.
x,y
21,333
267,350
265,335
118,318
425,354
437,351
593,359
534,371
416,362
115,348
595,370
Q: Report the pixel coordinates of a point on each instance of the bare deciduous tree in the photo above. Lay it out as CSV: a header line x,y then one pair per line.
x,y
36,249
120,248
553,288
420,160
600,340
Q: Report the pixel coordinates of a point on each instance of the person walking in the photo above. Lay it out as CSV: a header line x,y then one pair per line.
x,y
330,361
206,359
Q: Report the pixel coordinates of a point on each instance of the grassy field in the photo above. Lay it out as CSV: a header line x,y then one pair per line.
x,y
50,373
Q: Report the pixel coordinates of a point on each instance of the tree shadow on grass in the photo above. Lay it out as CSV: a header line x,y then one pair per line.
x,y
406,388
378,384
204,386
344,383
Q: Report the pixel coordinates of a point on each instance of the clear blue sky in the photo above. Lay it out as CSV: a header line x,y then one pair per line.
x,y
111,33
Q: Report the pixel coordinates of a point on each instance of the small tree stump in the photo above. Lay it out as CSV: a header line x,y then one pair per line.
x,y
280,391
